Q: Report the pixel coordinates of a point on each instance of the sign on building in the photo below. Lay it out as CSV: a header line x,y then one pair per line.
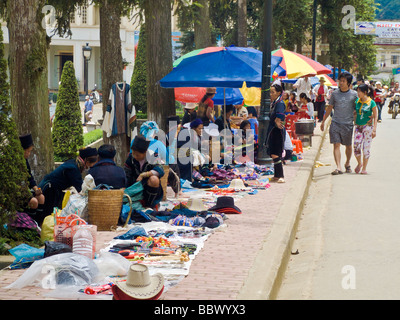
x,y
380,29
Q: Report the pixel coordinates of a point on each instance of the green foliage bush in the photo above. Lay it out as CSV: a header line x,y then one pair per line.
x,y
92,136
139,76
14,192
67,131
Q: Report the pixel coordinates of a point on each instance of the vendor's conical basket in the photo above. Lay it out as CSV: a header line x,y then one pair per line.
x,y
104,208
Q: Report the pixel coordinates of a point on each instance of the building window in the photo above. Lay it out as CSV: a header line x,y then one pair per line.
x,y
395,59
84,13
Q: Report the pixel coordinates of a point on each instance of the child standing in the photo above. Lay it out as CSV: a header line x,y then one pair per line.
x,y
366,118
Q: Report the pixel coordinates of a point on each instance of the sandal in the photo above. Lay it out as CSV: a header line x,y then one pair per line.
x,y
348,169
364,172
281,180
336,172
358,168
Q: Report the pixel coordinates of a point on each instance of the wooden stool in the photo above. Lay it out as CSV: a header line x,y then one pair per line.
x,y
298,146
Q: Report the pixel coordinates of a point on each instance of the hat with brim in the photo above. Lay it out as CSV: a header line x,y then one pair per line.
x,y
26,141
212,130
196,204
190,105
225,202
238,184
322,79
139,284
211,90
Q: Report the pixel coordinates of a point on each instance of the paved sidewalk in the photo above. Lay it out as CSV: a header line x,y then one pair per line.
x,y
243,261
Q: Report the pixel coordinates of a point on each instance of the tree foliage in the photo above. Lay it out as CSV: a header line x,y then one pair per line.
x,y
67,129
139,76
14,192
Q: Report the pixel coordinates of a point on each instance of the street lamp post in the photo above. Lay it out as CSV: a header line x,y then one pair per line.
x,y
263,119
87,54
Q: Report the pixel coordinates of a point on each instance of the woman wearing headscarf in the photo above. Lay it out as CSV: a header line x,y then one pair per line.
x,y
276,132
67,175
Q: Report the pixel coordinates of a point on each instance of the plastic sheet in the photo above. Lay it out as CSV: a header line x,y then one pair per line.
x,y
65,269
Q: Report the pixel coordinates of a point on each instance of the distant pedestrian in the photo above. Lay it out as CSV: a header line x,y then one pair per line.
x,y
88,113
321,93
343,102
303,85
366,119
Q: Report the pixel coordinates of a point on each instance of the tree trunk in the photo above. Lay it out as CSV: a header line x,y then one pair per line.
x,y
112,68
28,80
160,101
202,30
242,23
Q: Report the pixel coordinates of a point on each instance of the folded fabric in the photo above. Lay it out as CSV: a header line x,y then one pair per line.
x,y
133,233
227,210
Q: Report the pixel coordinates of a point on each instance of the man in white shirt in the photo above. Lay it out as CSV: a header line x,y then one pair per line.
x,y
303,85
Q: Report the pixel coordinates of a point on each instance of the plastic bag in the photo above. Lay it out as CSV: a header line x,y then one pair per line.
x,y
51,248
112,264
25,255
67,269
88,184
77,204
47,232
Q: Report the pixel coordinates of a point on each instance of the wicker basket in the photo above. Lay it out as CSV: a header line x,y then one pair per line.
x,y
104,208
164,181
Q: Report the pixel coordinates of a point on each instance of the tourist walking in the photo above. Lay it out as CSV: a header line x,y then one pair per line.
x,y
366,119
343,102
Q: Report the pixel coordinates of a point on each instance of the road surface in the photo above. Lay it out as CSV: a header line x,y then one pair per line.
x,y
347,243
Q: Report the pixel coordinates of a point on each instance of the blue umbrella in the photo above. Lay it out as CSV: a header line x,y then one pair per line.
x,y
232,96
227,68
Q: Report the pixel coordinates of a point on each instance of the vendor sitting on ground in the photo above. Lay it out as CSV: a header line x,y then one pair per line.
x,y
35,204
67,175
105,171
138,169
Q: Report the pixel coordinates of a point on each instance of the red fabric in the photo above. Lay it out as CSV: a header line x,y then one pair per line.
x,y
320,93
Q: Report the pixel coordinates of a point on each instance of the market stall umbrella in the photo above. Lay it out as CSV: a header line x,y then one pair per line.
x,y
297,65
314,80
187,95
226,68
329,82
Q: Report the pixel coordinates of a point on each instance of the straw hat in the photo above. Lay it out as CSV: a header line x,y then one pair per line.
x,y
322,79
139,284
211,90
237,184
190,105
196,204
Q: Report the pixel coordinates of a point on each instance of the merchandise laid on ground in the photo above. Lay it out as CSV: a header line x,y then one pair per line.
x,y
166,240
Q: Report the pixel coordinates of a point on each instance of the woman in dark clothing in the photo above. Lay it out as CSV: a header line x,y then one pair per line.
x,y
105,171
35,204
67,175
190,113
138,169
276,132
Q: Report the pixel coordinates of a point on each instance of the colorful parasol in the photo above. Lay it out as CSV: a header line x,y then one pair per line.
x,y
297,65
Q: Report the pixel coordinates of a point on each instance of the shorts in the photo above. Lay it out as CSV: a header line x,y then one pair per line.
x,y
341,133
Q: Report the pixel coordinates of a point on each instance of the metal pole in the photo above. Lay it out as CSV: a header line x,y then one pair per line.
x,y
85,76
314,28
263,118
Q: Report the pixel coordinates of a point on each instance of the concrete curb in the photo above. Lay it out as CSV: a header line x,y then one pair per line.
x,y
266,275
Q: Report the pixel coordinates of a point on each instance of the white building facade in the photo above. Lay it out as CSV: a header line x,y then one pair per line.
x,y
85,28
